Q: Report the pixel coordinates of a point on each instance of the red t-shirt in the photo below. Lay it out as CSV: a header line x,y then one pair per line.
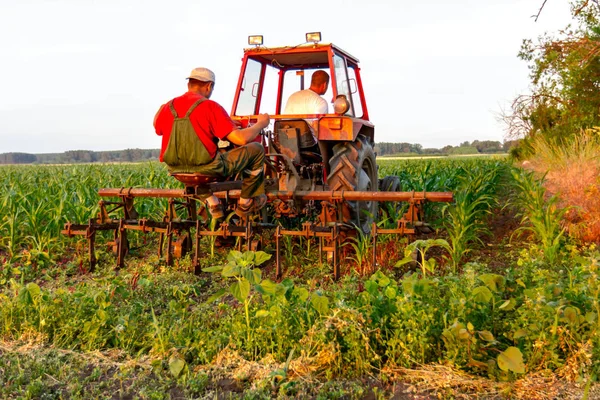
x,y
210,121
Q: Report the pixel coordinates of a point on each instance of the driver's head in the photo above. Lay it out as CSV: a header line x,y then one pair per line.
x,y
202,81
319,82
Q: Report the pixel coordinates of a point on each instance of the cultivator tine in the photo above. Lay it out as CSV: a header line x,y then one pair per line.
x,y
277,252
374,237
169,259
196,263
91,237
122,245
161,243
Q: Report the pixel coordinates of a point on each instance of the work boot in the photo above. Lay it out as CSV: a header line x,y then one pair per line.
x,y
215,207
249,206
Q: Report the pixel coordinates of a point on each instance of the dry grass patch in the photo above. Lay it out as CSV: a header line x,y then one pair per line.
x,y
449,382
572,172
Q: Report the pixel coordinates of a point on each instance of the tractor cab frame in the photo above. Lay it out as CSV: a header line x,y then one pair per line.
x,y
268,76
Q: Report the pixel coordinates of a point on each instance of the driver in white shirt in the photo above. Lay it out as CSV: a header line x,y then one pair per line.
x,y
309,101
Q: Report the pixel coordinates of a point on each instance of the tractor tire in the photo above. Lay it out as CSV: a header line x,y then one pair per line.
x,y
389,209
390,183
353,168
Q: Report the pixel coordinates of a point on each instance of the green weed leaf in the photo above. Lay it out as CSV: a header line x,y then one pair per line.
x,y
511,360
262,314
382,279
260,257
390,292
301,292
240,289
571,315
176,365
520,333
508,305
486,335
101,315
482,294
231,270
217,268
252,275
234,256
215,296
463,334
270,287
590,317
405,260
320,303
29,294
372,288
493,281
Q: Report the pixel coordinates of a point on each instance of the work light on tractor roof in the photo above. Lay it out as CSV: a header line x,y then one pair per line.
x,y
320,169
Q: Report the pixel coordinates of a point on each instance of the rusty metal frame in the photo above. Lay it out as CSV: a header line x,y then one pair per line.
x,y
177,231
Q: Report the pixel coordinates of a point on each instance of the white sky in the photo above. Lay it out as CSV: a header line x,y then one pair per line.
x,y
90,74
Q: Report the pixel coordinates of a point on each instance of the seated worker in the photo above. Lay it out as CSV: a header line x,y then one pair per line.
x,y
191,126
309,101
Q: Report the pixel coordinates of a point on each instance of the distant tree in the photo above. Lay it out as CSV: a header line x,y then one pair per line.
x,y
127,155
509,144
463,150
17,158
79,156
565,79
487,146
447,149
431,151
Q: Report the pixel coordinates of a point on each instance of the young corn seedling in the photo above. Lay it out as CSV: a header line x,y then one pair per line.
x,y
418,250
361,245
241,267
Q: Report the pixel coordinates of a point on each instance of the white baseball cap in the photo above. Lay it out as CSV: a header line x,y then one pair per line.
x,y
202,74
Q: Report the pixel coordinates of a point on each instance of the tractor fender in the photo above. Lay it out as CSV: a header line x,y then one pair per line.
x,y
343,128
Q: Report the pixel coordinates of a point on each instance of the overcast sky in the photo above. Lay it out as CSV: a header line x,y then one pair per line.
x,y
90,74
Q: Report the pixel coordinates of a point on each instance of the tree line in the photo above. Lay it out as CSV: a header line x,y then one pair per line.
x,y
137,155
474,147
81,156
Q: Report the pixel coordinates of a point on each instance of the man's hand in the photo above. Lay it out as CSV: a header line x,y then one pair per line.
x,y
247,135
263,120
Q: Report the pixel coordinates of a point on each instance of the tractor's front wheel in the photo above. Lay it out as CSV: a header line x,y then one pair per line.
x,y
353,167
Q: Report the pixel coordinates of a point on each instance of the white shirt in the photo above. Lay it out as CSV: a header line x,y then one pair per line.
x,y
306,102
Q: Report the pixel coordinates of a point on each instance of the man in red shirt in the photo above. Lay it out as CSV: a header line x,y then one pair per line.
x,y
211,122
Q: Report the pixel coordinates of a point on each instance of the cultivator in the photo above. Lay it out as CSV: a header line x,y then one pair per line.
x,y
183,226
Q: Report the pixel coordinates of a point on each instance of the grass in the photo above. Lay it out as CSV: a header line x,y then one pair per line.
x,y
572,171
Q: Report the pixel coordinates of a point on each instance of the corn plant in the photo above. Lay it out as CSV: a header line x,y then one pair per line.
x,y
361,245
466,219
418,250
539,213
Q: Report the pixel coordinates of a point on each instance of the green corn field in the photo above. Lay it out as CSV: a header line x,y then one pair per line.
x,y
499,298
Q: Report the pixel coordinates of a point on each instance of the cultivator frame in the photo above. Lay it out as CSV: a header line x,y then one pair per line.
x,y
181,217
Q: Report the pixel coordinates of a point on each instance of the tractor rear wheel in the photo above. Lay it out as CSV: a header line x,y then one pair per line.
x,y
353,167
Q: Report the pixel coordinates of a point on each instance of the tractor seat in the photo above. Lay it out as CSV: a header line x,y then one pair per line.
x,y
195,179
